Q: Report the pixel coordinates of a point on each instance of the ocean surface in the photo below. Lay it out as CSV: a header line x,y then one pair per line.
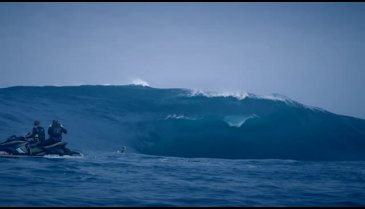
x,y
184,148
130,179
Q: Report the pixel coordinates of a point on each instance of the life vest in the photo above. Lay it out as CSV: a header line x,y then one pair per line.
x,y
36,138
38,134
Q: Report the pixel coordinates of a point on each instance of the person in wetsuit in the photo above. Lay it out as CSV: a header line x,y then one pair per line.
x,y
55,132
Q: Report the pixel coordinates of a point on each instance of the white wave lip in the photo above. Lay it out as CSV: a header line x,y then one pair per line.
x,y
275,97
237,95
244,95
240,95
282,98
238,121
139,82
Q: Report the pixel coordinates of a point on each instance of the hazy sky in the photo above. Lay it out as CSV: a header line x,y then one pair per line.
x,y
311,52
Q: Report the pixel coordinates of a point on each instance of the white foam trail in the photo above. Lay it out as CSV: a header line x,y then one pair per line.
x,y
64,156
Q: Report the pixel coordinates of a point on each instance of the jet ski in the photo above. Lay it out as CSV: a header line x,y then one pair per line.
x,y
19,146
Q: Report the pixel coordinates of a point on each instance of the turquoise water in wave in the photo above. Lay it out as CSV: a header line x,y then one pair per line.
x,y
131,179
184,123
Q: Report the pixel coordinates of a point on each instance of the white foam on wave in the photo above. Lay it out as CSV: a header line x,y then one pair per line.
x,y
275,97
175,116
287,100
241,95
238,121
238,95
139,82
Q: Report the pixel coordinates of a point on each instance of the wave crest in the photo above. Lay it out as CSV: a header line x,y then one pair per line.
x,y
139,82
237,95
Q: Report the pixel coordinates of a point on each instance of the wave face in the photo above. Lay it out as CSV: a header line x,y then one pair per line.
x,y
177,122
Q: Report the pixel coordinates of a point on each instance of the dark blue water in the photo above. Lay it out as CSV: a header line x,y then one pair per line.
x,y
129,179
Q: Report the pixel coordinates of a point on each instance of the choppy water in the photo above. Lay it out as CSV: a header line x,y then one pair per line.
x,y
130,179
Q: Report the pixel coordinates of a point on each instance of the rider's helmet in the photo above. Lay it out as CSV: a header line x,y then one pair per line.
x,y
56,123
36,122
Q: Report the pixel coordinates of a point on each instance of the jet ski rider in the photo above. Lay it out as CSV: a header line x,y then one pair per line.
x,y
37,135
55,132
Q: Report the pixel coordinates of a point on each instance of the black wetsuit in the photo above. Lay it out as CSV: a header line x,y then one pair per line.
x,y
55,134
38,135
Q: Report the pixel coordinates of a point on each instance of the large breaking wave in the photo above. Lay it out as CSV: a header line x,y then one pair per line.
x,y
185,123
